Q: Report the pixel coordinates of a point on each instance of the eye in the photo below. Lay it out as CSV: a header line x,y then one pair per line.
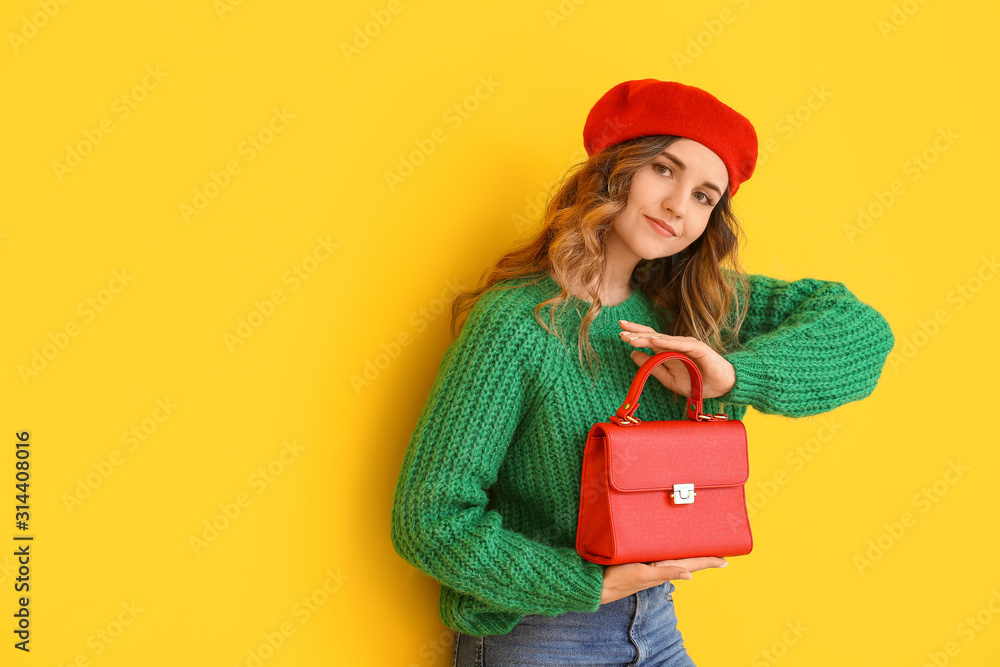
x,y
703,197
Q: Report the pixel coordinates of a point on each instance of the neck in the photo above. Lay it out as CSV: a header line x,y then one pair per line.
x,y
619,265
614,290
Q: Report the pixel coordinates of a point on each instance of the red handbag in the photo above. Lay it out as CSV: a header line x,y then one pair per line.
x,y
655,490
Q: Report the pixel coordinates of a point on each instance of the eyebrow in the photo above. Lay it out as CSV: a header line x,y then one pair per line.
x,y
706,184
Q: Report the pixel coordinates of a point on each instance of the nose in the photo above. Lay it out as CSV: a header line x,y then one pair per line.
x,y
674,201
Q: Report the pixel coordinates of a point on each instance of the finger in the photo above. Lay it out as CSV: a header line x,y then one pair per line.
x,y
670,572
641,337
646,334
693,564
633,326
656,341
636,332
693,349
661,372
639,357
684,344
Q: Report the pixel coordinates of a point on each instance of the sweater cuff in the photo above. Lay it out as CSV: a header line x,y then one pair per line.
x,y
754,381
587,597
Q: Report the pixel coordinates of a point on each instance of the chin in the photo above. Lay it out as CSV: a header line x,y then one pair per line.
x,y
656,251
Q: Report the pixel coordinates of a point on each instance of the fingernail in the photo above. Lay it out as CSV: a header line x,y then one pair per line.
x,y
724,564
623,321
685,575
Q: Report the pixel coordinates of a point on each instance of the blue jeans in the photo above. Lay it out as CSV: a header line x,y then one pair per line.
x,y
635,631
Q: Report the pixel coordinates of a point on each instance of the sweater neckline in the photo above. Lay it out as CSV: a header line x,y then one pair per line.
x,y
633,295
634,308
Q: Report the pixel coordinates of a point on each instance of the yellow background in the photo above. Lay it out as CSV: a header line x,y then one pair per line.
x,y
883,79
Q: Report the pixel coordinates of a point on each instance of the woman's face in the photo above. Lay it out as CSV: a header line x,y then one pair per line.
x,y
670,199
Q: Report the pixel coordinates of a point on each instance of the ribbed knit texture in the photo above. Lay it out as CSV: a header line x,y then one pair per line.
x,y
488,492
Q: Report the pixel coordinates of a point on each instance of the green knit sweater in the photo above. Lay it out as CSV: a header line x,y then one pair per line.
x,y
488,492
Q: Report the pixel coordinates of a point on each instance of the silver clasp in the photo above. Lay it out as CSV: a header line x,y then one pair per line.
x,y
683,494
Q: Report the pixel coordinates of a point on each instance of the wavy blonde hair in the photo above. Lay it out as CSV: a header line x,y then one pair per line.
x,y
571,246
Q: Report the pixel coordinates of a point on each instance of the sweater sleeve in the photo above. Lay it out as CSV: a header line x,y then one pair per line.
x,y
809,346
440,520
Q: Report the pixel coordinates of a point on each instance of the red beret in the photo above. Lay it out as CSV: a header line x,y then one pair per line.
x,y
647,107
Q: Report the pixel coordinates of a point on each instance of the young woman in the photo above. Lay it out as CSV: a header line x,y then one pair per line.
x,y
638,251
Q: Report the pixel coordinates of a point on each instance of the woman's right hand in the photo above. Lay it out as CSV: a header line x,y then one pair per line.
x,y
628,578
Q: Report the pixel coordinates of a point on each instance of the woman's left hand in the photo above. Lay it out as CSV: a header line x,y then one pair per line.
x,y
717,375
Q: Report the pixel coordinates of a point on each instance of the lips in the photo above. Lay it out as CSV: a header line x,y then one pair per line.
x,y
663,227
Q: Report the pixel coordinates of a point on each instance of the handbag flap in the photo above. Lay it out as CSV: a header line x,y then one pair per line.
x,y
658,454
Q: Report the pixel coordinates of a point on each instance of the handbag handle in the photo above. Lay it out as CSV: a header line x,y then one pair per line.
x,y
623,415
